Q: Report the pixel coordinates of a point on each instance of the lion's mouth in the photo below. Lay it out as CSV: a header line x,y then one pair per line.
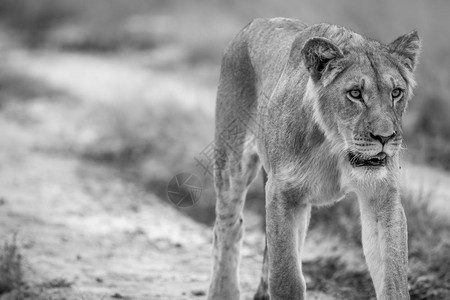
x,y
378,160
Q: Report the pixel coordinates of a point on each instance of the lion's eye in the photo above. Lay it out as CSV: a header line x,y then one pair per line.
x,y
355,94
396,94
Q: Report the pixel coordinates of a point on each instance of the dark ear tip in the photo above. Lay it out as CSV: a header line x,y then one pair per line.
x,y
407,46
415,38
415,34
411,38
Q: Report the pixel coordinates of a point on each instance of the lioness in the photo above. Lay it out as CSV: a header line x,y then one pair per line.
x,y
320,108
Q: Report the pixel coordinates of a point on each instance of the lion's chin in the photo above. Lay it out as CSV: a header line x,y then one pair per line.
x,y
377,161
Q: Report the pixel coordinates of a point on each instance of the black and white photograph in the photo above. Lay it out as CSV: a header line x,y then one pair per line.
x,y
224,150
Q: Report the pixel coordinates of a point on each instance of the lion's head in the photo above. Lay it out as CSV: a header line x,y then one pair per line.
x,y
361,89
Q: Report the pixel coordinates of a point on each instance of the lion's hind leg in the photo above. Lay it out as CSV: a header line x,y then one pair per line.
x,y
236,164
233,175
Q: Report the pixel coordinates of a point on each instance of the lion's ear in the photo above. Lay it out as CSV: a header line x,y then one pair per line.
x,y
408,48
317,52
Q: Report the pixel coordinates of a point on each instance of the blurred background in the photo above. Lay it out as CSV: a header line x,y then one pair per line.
x,y
102,102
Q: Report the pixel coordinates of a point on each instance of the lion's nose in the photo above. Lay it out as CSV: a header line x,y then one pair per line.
x,y
383,138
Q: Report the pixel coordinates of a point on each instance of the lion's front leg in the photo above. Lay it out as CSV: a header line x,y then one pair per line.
x,y
384,238
286,217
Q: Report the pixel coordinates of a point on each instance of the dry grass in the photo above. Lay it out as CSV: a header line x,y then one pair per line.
x,y
11,267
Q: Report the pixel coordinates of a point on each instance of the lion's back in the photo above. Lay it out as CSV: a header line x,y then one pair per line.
x,y
269,43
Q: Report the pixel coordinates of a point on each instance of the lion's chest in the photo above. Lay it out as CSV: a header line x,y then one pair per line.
x,y
328,185
324,179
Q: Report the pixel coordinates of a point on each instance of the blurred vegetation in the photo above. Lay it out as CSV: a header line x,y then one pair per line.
x,y
16,86
31,21
11,267
332,276
134,25
130,136
429,245
428,140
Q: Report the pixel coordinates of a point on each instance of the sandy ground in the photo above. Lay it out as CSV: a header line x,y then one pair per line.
x,y
81,224
84,231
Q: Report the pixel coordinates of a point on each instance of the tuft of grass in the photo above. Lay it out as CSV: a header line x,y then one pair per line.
x,y
11,267
58,283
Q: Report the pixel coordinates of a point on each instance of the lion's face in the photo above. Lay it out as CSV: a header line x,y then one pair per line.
x,y
362,94
367,104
